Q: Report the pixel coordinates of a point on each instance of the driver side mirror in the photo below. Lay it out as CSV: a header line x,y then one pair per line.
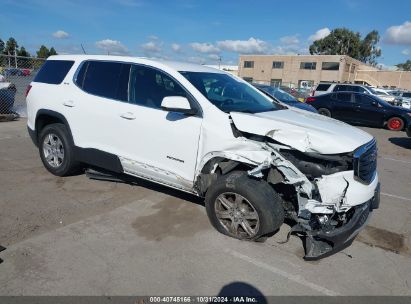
x,y
177,104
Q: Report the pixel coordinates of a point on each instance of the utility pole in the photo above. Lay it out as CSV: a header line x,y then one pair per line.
x,y
219,62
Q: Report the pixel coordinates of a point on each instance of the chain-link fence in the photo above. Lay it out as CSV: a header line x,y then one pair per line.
x,y
16,73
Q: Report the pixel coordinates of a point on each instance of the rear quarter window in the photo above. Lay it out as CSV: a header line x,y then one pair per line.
x,y
53,71
323,87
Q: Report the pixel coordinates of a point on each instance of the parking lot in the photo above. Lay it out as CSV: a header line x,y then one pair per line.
x,y
76,236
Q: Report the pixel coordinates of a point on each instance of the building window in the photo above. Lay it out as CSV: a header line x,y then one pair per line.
x,y
248,79
276,82
308,65
278,64
249,64
330,66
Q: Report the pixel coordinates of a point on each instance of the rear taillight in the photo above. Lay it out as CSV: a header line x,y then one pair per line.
x,y
310,99
28,90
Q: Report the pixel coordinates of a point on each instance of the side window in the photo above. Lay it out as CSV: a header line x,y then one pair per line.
x,y
360,89
363,100
323,87
149,86
339,88
343,97
105,79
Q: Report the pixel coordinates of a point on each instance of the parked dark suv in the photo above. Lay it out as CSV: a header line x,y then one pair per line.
x,y
362,109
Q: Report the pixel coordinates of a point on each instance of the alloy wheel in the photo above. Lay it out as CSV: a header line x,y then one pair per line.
x,y
53,150
237,215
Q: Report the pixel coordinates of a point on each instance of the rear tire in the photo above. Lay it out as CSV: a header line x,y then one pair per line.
x,y
395,124
324,111
244,208
57,150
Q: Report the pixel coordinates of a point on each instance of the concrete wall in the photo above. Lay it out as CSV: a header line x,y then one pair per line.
x,y
398,79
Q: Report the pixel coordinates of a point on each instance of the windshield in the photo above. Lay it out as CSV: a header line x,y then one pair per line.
x,y
382,101
379,93
371,90
283,96
229,94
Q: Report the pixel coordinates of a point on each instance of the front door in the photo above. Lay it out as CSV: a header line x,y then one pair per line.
x,y
155,143
368,111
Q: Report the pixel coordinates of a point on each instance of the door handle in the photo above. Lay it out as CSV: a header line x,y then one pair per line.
x,y
128,116
68,103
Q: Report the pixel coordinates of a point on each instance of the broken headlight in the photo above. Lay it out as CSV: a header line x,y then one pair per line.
x,y
315,165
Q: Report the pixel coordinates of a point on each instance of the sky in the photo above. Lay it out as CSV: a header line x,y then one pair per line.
x,y
202,31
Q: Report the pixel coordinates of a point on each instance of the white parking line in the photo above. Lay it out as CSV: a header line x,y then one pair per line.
x,y
396,196
292,277
397,160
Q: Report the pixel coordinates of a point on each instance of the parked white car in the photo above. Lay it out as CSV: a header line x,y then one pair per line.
x,y
329,87
256,163
404,98
384,95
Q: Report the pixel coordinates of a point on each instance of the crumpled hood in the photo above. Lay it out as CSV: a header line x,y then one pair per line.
x,y
302,130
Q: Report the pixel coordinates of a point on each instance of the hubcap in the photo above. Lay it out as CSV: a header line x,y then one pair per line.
x,y
53,150
395,124
237,215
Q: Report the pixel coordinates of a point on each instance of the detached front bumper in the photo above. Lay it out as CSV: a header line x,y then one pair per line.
x,y
320,244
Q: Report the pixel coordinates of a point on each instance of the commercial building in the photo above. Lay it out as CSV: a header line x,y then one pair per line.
x,y
308,70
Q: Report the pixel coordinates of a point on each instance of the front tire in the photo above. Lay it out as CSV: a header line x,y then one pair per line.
x,y
395,124
57,151
244,208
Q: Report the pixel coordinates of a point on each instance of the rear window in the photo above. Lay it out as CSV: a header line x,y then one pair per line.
x,y
323,87
53,71
105,79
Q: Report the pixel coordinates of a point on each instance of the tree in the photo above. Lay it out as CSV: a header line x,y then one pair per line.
x,y
342,41
1,46
369,50
11,46
52,52
406,66
22,52
44,52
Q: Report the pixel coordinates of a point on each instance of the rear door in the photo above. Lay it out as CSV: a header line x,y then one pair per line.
x,y
94,103
343,106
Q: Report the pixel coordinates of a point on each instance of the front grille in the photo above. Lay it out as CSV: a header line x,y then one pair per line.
x,y
365,162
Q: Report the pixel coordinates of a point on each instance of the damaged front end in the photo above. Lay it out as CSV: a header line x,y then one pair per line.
x,y
332,197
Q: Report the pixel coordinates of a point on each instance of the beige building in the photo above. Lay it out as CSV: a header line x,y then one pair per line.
x,y
309,70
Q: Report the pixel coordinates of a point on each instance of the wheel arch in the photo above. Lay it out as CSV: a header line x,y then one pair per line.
x,y
404,120
217,164
46,117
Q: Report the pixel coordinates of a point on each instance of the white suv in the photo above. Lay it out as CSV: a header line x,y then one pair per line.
x,y
329,87
204,131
